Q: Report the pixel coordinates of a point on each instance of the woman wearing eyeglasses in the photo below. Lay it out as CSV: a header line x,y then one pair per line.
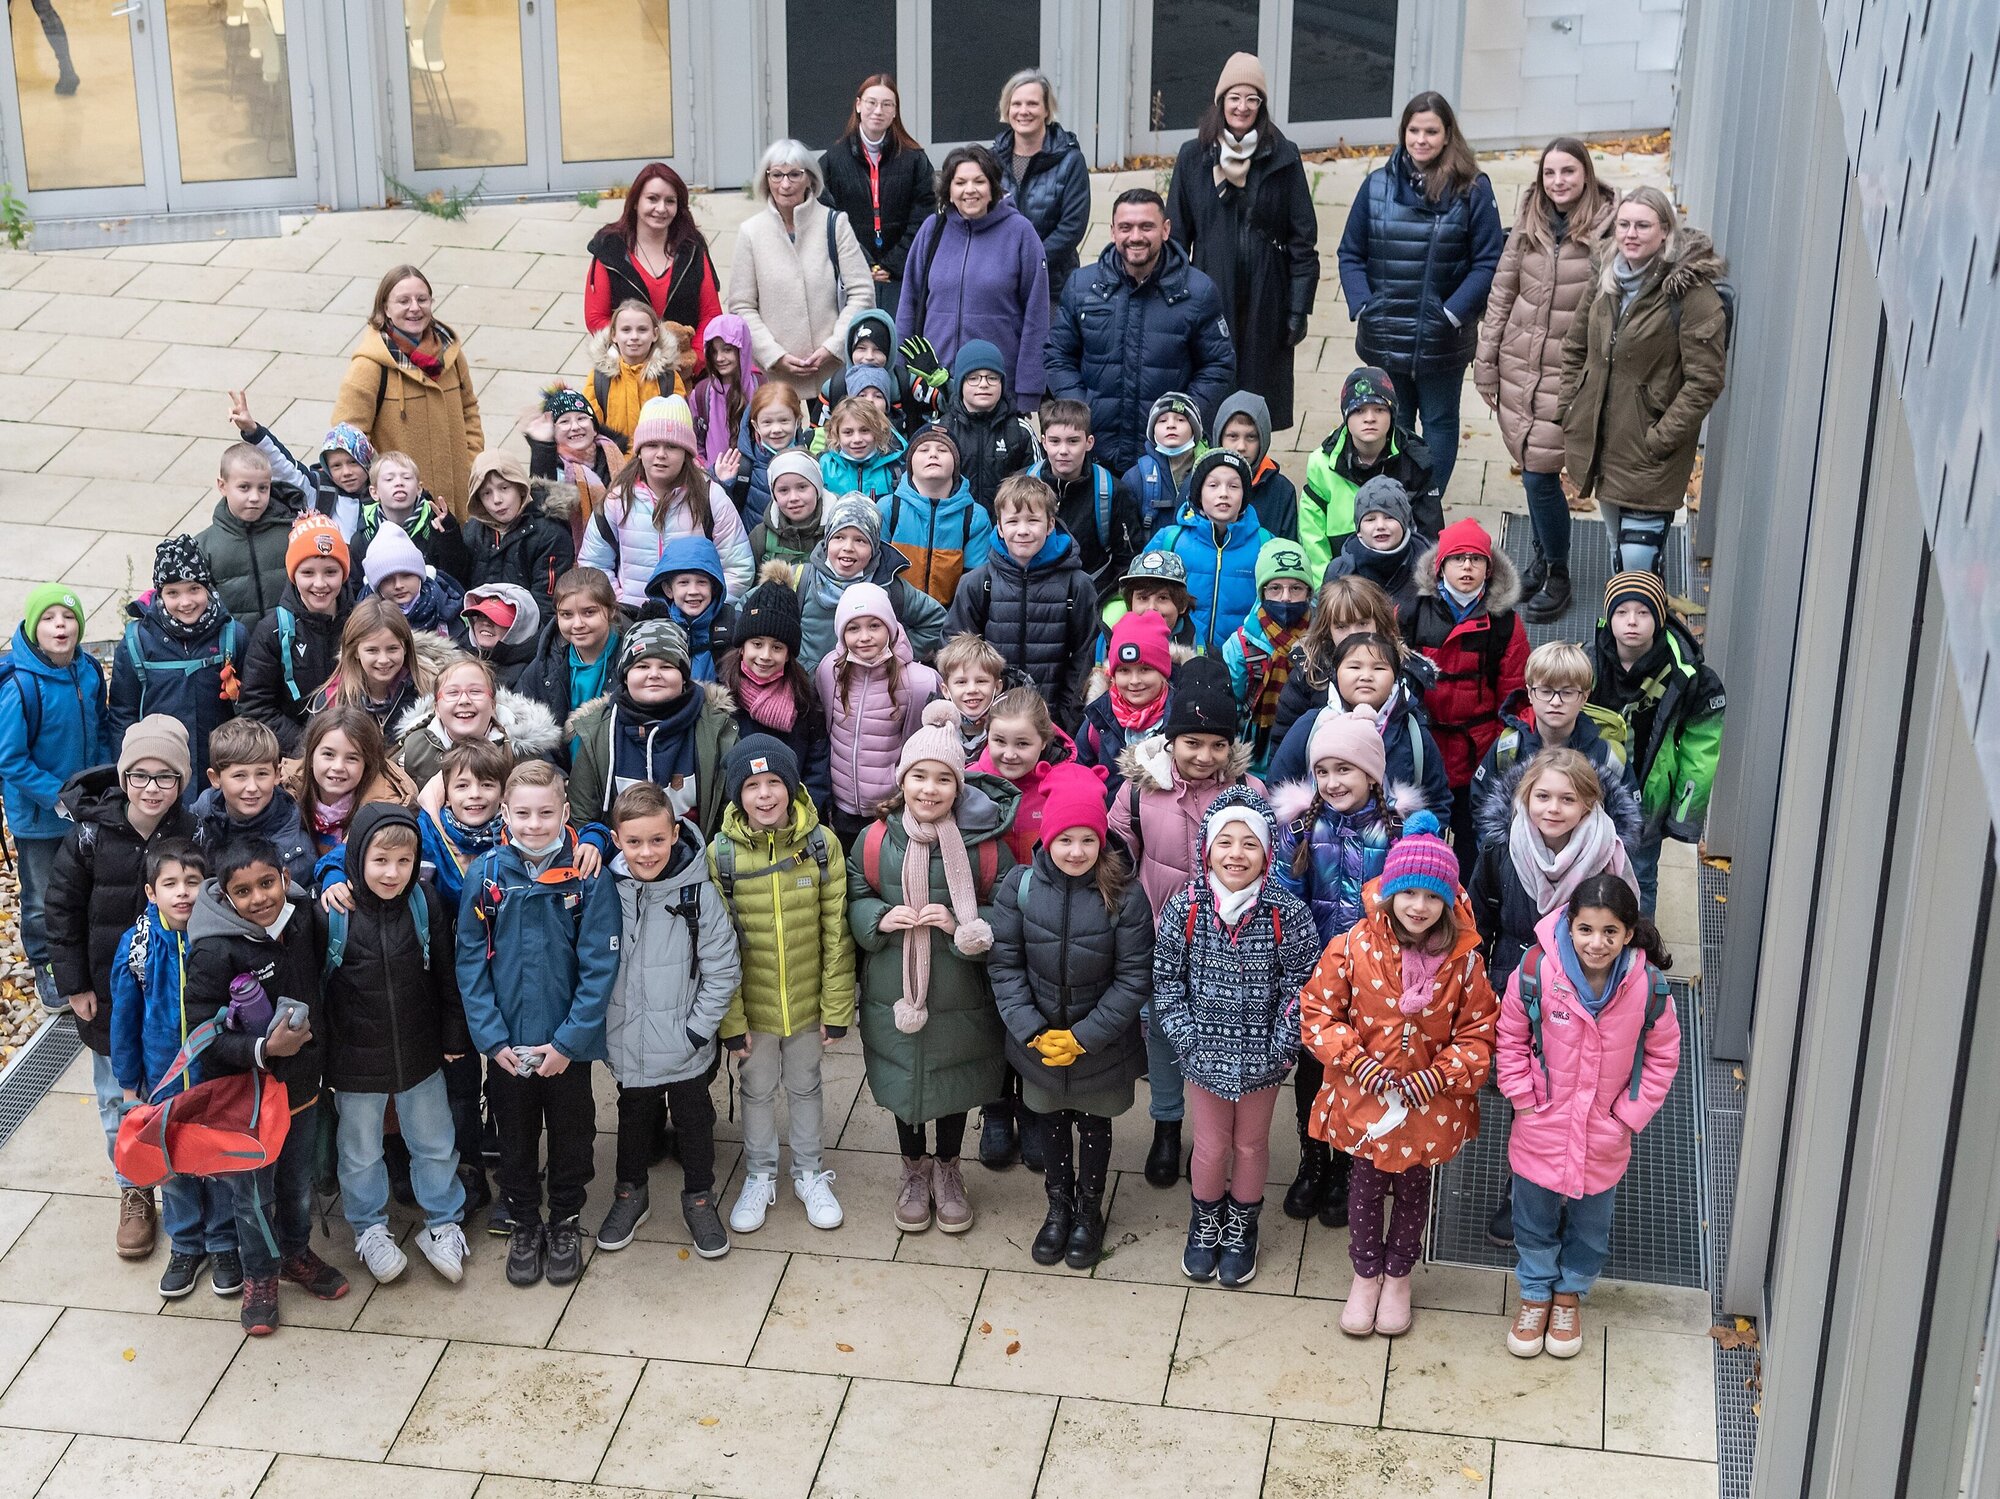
x,y
879,176
798,276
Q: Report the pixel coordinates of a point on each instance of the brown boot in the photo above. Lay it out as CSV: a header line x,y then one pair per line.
x,y
954,1213
138,1222
913,1197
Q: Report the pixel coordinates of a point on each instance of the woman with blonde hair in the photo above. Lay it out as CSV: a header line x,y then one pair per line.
x,y
1042,168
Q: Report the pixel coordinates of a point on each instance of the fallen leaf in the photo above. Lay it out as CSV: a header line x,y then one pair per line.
x,y
684,1254
1012,1332
1739,1335
129,1354
1473,1475
845,1347
709,1421
1013,1348
985,1328
1757,1410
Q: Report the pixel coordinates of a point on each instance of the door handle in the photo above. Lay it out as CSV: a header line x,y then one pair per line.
x,y
125,9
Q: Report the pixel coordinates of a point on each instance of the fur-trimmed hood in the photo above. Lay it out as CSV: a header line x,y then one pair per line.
x,y
1495,811
1149,762
659,369
1294,799
1690,259
529,728
719,699
1503,579
1100,674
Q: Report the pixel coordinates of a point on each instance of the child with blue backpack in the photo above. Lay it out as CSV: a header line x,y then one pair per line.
x,y
1159,482
178,654
1101,516
1217,537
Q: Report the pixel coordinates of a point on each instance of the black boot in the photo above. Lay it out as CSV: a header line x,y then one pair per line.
x,y
1551,599
1031,1126
998,1144
1086,1231
477,1193
1055,1235
1340,1167
1309,1188
1534,574
1163,1161
1500,1227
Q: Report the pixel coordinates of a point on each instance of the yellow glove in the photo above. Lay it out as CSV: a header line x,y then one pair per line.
x,y
1058,1048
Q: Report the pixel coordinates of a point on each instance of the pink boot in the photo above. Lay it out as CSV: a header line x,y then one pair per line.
x,y
1392,1314
1357,1318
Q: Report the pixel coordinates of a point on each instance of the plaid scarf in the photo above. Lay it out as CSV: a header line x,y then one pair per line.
x,y
1272,656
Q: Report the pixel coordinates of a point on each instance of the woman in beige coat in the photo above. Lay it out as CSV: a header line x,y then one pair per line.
x,y
795,279
1544,276
409,388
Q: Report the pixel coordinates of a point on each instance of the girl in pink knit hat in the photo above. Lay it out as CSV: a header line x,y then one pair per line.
x,y
872,691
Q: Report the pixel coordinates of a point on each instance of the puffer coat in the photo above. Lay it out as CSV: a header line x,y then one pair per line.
x,y
1541,282
53,724
1160,816
159,667
1481,660
433,418
1574,1121
957,1061
624,542
1345,850
1353,1021
1042,614
868,725
798,956
523,727
248,558
1054,194
598,730
278,687
1221,573
673,986
1062,961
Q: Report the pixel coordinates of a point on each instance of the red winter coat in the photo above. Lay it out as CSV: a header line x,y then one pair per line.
x,y
1481,661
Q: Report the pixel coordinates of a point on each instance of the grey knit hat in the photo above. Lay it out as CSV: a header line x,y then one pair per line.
x,y
1382,495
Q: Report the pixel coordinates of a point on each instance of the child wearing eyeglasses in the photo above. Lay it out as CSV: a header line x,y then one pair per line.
x,y
1549,713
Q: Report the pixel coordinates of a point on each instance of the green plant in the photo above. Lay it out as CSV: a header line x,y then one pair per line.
x,y
589,199
439,203
14,220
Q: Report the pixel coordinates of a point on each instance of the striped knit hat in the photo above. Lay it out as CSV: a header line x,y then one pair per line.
x,y
666,419
1421,860
1644,587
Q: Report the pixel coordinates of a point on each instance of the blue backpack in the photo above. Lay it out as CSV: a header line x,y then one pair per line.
x,y
336,931
225,656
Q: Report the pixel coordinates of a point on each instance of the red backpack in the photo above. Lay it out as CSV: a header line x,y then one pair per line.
x,y
233,1123
985,868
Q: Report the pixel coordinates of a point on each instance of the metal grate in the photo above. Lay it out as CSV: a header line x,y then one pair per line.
x,y
155,229
34,1071
1589,571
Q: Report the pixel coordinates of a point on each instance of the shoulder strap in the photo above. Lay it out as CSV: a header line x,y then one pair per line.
x,y
600,386
1417,750
1531,1001
822,854
1138,838
725,867
1027,880
33,714
381,392
288,634
608,531
336,941
989,866
1657,997
871,853
1100,483
138,659
420,913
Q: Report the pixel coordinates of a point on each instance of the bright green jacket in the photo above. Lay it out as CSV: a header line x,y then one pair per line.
x,y
791,913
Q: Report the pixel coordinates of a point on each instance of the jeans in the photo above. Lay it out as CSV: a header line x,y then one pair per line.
x,y
1560,1243
110,1097
643,1111
526,1107
790,1062
273,1204
198,1214
1163,1074
1232,1144
38,862
1438,395
1548,512
1646,868
424,1113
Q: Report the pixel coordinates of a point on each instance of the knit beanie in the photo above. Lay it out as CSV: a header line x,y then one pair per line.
x,y
1201,700
315,535
1645,587
1279,558
1242,68
391,552
654,640
1350,736
157,736
1421,860
1367,386
769,609
1464,538
756,755
936,433
666,419
1073,797
560,400
798,462
179,560
1175,400
1238,804
1207,464
1140,639
979,354
46,596
937,740
1382,495
860,377
851,512
863,599
350,440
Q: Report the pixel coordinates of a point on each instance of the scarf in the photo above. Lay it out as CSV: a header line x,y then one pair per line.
x,y
1629,280
587,682
1231,906
418,526
1278,668
974,935
1137,720
1232,157
1551,878
790,538
1420,971
652,741
330,818
211,620
1593,1000
1460,604
770,701
412,351
469,839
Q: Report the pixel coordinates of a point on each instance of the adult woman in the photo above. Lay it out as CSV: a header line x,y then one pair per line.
x,y
976,270
798,275
654,252
1630,428
464,707
879,176
409,390
1043,170
1544,276
1416,262
1242,209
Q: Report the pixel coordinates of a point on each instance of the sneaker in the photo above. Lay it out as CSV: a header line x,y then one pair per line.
x,y
954,1211
379,1253
565,1255
815,1190
183,1268
1530,1329
225,1274
631,1205
500,1219
753,1202
314,1274
698,1212
1565,1335
526,1247
445,1248
138,1223
260,1305
45,990
913,1196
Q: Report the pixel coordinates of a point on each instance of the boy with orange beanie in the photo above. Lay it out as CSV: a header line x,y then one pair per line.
x,y
295,647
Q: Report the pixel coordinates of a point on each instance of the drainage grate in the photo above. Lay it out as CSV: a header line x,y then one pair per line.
x,y
34,1071
155,229
1589,571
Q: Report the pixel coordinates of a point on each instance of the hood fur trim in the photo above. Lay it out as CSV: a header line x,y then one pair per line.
x,y
1151,763
1291,800
529,726
604,358
1495,811
1503,579
1100,674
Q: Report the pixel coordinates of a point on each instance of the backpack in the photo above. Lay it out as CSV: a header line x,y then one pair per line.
x,y
10,671
225,656
1612,728
984,873
288,636
1531,1001
833,218
725,862
1102,489
1725,290
336,933
227,1124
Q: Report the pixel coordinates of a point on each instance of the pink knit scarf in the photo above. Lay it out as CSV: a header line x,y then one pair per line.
x,y
1420,971
973,937
771,702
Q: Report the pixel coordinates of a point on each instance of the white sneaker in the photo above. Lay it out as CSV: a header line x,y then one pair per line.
x,y
445,1248
379,1253
815,1190
752,1203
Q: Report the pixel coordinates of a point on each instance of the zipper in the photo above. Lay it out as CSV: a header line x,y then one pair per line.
x,y
1062,991
395,1030
778,917
1215,593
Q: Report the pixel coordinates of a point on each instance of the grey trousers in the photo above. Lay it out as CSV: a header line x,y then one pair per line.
x,y
791,1062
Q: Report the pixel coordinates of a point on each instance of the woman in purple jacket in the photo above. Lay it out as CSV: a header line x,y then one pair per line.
x,y
976,270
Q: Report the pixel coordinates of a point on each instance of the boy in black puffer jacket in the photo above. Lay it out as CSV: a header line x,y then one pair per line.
x,y
294,648
179,654
512,537
993,442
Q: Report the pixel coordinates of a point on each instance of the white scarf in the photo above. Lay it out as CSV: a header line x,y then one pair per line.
x,y
1233,905
1233,153
1550,877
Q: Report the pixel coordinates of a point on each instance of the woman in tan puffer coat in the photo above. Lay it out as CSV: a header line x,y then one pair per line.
x,y
1544,277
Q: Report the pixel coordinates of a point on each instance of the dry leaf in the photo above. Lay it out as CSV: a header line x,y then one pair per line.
x,y
129,1354
1740,1334
684,1254
845,1347
985,1328
709,1421
1473,1475
1013,1348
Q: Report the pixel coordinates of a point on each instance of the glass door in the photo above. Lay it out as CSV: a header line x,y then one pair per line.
x,y
230,89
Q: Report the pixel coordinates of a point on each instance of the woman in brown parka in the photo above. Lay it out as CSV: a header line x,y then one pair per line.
x,y
1544,277
1642,364
409,388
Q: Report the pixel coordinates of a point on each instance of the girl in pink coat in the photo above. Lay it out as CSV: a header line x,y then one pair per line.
x,y
1588,1047
873,692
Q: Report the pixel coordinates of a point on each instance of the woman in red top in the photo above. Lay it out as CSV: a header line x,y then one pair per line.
x,y
655,253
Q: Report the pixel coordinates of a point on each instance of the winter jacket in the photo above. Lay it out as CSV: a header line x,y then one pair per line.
x,y
1413,756
1053,194
1481,661
532,554
223,946
314,485
1395,573
867,726
1221,569
1026,833
1272,495
97,888
53,723
1102,517
1062,961
992,445
1259,243
1415,274
279,824
1505,910
1258,654
248,559
1352,1020
431,526
617,391
774,543
707,631
782,284
1344,850
686,294
898,195
1574,1113
291,653
986,278
709,400
921,616
875,476
1544,278
448,853
547,678
791,912
1637,384
537,958
1334,476
1041,614
149,1006
509,657
433,418
1160,816
1120,347
943,539
526,729
607,746
1503,765
625,542
957,1061
1672,703
1153,487
677,970
750,490
390,1007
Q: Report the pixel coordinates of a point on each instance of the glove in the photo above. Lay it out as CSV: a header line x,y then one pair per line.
x,y
699,1043
835,1032
1295,330
1422,1086
1058,1048
734,1045
923,361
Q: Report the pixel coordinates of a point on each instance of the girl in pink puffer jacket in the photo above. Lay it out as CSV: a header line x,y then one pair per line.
x,y
873,693
1583,1081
